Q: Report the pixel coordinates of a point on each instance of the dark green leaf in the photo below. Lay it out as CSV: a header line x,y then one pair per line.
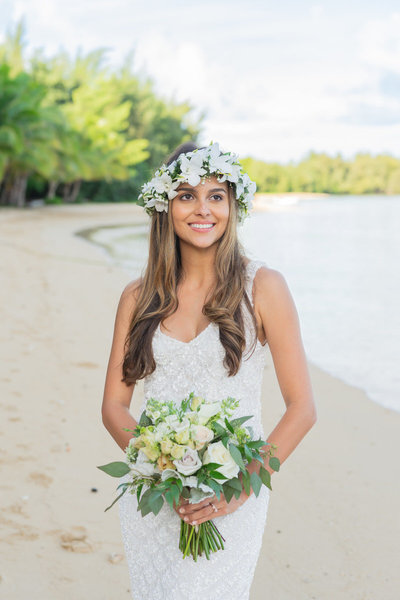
x,y
228,493
144,420
235,483
211,466
218,429
229,426
246,481
169,496
216,475
139,491
115,469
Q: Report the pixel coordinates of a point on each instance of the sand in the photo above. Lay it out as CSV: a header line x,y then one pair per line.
x,y
333,526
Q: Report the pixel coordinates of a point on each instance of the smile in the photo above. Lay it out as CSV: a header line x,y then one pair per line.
x,y
201,226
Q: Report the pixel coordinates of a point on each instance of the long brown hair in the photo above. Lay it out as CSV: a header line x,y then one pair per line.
x,y
157,292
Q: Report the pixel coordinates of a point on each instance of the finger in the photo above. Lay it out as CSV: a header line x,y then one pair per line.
x,y
204,513
199,505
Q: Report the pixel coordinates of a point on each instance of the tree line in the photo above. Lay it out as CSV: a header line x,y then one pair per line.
x,y
73,129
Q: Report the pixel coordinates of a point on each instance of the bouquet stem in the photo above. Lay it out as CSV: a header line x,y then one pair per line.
x,y
199,539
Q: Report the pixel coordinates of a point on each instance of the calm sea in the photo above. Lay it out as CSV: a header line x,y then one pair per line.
x,y
340,256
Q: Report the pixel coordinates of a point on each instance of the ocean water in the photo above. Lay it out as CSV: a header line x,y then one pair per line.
x,y
340,256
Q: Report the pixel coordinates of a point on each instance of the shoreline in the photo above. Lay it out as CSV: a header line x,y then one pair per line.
x,y
331,507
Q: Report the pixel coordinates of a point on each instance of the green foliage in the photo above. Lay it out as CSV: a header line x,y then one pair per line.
x,y
320,173
78,126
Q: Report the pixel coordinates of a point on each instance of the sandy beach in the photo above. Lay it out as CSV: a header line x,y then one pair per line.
x,y
333,525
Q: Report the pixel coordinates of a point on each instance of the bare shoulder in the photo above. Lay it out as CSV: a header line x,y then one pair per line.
x,y
271,292
269,281
129,297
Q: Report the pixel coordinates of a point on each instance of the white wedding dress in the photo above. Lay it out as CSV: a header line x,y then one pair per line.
x,y
157,570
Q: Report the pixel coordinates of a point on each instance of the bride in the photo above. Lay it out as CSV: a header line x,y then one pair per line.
x,y
199,319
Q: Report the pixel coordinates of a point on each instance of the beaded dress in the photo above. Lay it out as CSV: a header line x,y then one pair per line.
x,y
156,568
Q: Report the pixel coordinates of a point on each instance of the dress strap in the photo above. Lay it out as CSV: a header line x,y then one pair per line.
x,y
252,268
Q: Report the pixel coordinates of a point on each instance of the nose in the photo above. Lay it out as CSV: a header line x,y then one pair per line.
x,y
202,207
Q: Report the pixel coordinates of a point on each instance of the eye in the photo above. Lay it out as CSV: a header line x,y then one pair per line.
x,y
217,196
186,194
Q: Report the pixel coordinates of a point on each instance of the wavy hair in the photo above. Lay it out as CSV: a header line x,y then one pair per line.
x,y
157,292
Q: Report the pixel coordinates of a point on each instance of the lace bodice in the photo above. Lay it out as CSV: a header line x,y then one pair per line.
x,y
198,365
156,568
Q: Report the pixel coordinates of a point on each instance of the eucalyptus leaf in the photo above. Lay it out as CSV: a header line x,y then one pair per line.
x,y
274,463
115,469
265,477
256,483
215,486
228,493
246,481
236,455
239,421
229,426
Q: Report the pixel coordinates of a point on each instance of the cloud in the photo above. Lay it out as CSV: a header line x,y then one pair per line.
x,y
379,43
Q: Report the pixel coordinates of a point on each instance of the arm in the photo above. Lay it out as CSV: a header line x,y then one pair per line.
x,y
117,395
277,315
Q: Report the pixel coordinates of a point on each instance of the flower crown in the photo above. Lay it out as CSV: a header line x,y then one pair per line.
x,y
193,167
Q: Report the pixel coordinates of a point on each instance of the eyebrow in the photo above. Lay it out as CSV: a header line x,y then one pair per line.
x,y
186,189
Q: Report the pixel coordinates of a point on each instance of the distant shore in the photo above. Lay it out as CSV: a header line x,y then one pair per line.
x,y
332,529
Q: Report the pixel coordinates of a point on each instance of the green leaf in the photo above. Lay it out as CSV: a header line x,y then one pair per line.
x,y
175,493
235,483
248,453
215,486
116,499
256,444
239,421
115,469
255,483
216,475
228,493
274,463
218,429
246,481
225,441
139,491
169,496
229,426
211,466
236,455
155,503
144,420
265,477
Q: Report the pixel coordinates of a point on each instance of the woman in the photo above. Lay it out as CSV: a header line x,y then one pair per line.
x,y
199,320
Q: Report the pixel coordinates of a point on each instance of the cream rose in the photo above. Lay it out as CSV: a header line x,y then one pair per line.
x,y
217,453
189,463
201,435
208,410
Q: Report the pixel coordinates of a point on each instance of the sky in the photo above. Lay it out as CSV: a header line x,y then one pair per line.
x,y
274,80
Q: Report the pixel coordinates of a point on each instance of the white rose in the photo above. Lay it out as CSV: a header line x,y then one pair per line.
x,y
217,453
201,435
143,466
208,410
189,463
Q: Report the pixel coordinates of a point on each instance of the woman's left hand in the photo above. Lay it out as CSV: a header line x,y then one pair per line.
x,y
210,508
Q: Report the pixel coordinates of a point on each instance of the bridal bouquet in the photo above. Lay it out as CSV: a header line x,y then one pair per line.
x,y
194,451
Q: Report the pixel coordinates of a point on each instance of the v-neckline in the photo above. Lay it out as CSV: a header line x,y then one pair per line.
x,y
180,341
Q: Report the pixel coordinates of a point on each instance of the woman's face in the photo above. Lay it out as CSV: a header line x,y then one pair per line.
x,y
200,214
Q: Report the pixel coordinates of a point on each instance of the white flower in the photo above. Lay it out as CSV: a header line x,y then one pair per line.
x,y
189,463
201,435
217,453
208,410
143,466
191,168
161,430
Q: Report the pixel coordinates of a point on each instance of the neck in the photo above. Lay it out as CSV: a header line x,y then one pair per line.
x,y
198,264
